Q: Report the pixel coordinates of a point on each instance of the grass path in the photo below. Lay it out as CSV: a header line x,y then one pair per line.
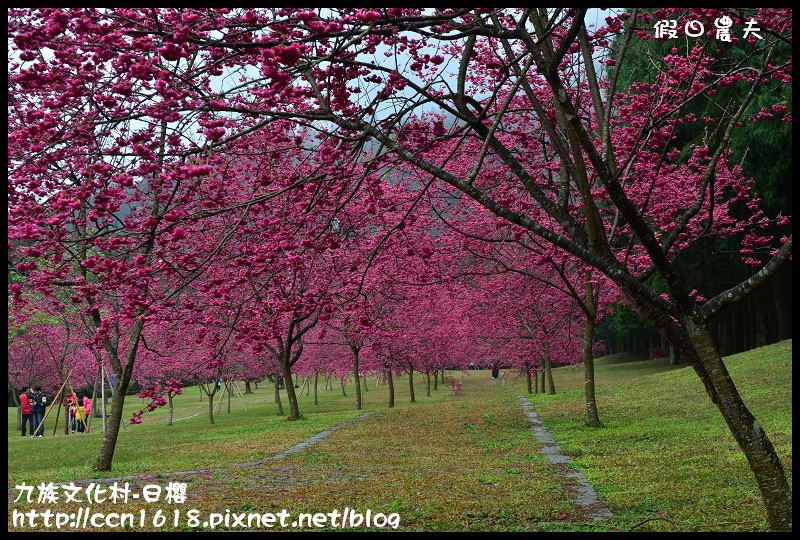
x,y
584,495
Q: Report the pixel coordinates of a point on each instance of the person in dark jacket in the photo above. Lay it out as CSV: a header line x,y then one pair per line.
x,y
38,408
25,410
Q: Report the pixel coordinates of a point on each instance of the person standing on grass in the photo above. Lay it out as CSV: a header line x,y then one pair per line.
x,y
70,407
38,407
25,409
80,414
87,406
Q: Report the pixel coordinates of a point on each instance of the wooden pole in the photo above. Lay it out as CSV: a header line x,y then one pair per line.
x,y
51,407
58,413
217,406
239,395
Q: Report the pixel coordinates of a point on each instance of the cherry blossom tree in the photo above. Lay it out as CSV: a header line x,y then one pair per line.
x,y
124,124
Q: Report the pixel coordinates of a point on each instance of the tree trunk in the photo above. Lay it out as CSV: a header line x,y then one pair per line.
x,y
435,379
354,350
278,394
592,417
341,383
94,403
228,389
366,386
674,355
211,405
529,380
171,409
390,380
541,380
294,409
67,423
551,386
247,388
15,395
747,431
106,455
428,388
316,386
411,385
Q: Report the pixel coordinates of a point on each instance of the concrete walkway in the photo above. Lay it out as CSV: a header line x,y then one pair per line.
x,y
584,495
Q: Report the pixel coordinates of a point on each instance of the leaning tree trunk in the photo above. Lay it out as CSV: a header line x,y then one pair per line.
x,y
761,455
106,455
294,409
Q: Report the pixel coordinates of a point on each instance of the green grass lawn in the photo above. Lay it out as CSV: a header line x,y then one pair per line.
x,y
452,463
665,452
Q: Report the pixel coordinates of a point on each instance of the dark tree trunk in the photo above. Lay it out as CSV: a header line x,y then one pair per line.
x,y
411,385
592,416
529,379
316,386
276,381
390,380
428,388
247,388
674,355
171,408
19,411
548,371
211,407
747,431
294,409
106,455
354,350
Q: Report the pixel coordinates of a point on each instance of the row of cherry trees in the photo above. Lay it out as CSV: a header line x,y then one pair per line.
x,y
413,187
